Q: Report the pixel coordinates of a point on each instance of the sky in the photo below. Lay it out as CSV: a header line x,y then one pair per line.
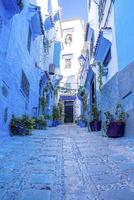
x,y
73,9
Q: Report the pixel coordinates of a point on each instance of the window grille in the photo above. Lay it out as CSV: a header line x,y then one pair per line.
x,y
67,63
29,39
25,86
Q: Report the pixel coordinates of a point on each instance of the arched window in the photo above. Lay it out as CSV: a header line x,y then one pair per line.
x,y
68,39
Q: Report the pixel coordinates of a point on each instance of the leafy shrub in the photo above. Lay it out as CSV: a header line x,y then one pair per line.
x,y
56,113
95,113
21,126
41,123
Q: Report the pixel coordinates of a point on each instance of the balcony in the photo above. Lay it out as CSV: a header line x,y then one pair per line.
x,y
12,7
102,49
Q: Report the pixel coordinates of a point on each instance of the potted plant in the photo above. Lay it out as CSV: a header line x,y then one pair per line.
x,y
49,120
116,127
95,123
56,115
81,92
21,126
82,121
106,123
42,104
60,105
41,123
16,127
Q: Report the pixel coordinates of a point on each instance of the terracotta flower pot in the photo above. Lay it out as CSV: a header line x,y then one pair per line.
x,y
95,125
116,129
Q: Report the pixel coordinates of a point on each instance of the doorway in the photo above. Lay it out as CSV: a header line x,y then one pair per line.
x,y
68,111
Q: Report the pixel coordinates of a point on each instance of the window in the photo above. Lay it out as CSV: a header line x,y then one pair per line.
x,y
92,93
1,23
4,89
67,85
92,45
107,58
68,39
67,63
25,86
5,114
67,60
29,39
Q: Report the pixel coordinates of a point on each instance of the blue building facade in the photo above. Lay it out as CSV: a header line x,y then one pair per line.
x,y
21,70
124,31
114,50
19,74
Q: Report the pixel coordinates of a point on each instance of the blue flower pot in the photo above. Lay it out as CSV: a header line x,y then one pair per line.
x,y
54,123
50,123
82,124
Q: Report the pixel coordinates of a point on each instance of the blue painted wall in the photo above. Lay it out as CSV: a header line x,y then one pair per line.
x,y
124,27
15,57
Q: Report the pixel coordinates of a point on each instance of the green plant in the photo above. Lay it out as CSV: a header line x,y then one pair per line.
x,y
100,75
107,121
84,102
42,103
60,105
95,113
21,125
41,122
49,117
108,117
20,4
14,122
46,45
56,112
27,122
120,114
81,91
82,117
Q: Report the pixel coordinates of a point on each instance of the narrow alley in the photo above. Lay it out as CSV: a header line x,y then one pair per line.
x,y
66,163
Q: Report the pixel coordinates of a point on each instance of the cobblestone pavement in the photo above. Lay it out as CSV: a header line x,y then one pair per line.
x,y
66,163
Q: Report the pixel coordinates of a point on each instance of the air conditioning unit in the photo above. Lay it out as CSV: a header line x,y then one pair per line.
x,y
51,69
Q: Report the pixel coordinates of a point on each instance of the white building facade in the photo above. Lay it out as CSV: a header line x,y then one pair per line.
x,y
73,41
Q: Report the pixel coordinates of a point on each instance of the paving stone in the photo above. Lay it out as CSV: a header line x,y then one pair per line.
x,y
1,194
97,169
35,195
122,194
119,158
74,164
6,177
105,179
42,178
126,166
41,166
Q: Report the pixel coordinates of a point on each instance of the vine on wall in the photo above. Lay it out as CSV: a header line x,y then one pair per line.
x,y
100,75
